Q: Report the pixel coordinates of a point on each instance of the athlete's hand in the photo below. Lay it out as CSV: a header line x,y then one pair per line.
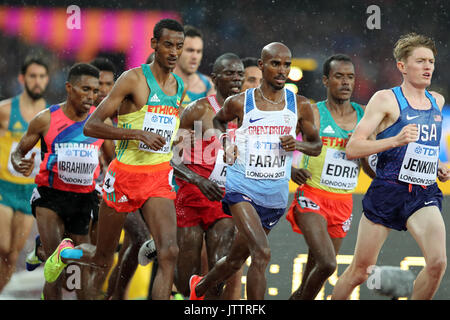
x,y
409,133
288,143
210,189
443,173
153,140
299,176
26,166
230,153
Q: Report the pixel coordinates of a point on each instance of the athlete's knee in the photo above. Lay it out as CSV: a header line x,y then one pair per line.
x,y
261,257
436,267
10,258
4,250
327,267
168,254
357,273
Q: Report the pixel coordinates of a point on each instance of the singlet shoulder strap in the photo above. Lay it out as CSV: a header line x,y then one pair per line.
x,y
213,102
205,81
402,102
432,100
249,100
291,101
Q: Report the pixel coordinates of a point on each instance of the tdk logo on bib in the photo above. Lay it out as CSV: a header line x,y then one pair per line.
x,y
79,153
426,151
162,119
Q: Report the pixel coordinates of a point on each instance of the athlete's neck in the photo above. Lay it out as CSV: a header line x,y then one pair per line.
x,y
72,113
29,102
220,98
338,106
271,93
188,78
161,73
414,93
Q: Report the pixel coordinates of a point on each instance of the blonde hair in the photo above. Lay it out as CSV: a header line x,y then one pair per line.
x,y
408,42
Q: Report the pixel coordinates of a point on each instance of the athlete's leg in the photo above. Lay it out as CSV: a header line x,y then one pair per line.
x,y
6,217
370,239
51,230
160,216
136,233
250,239
101,256
427,228
219,238
190,243
112,292
83,293
321,249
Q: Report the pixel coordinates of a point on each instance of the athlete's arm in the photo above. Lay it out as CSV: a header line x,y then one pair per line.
x,y
96,127
193,112
380,107
38,127
233,108
311,143
5,113
299,176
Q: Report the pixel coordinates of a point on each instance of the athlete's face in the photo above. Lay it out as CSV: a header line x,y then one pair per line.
x,y
168,48
35,80
192,55
419,67
341,80
106,82
252,78
276,68
82,93
229,80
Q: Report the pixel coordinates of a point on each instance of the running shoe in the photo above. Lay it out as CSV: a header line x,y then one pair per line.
x,y
193,281
32,261
147,252
54,265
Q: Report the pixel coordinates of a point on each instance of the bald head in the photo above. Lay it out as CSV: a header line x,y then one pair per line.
x,y
275,64
274,49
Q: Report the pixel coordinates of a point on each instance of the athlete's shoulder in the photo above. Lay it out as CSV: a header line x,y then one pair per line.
x,y
238,98
440,100
197,107
303,99
383,99
5,106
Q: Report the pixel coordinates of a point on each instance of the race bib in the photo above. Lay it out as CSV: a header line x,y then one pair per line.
x,y
37,161
373,160
307,203
219,174
108,182
265,158
161,120
339,172
420,164
77,163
